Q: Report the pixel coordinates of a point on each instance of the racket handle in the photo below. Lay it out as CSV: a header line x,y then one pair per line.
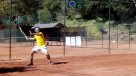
x,y
26,38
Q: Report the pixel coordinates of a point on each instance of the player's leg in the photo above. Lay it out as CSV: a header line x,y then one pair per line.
x,y
31,59
34,50
45,51
49,58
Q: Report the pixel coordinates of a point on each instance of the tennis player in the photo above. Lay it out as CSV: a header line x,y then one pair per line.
x,y
40,46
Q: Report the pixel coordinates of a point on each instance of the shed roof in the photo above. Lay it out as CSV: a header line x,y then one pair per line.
x,y
49,25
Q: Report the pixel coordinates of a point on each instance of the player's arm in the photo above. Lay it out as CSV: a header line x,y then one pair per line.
x,y
29,38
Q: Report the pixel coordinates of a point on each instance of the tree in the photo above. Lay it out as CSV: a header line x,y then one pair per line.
x,y
52,8
119,8
26,8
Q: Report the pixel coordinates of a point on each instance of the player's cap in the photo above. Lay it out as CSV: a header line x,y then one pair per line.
x,y
37,29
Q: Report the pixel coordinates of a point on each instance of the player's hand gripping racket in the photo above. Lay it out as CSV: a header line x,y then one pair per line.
x,y
23,32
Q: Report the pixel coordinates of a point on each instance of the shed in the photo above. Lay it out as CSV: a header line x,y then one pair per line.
x,y
52,31
50,25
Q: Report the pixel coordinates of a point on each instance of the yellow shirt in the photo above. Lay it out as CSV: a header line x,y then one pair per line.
x,y
40,39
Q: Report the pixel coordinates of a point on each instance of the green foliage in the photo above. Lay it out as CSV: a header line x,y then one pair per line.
x,y
45,11
21,20
44,16
92,27
4,7
51,4
50,9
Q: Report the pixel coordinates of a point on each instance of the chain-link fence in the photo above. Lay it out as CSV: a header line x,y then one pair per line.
x,y
118,32
114,31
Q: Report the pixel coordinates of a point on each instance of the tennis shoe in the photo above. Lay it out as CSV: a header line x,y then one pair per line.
x,y
30,64
51,63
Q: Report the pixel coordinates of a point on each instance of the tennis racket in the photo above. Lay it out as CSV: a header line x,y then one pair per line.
x,y
22,32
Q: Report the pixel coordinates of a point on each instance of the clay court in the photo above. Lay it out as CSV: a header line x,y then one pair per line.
x,y
105,28
78,61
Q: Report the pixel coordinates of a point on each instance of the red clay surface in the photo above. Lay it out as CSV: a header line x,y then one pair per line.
x,y
77,62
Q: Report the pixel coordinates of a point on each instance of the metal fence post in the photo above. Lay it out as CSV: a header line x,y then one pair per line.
x,y
117,36
86,35
10,29
129,36
109,25
65,1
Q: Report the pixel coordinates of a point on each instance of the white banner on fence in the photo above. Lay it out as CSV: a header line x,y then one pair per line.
x,y
73,41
